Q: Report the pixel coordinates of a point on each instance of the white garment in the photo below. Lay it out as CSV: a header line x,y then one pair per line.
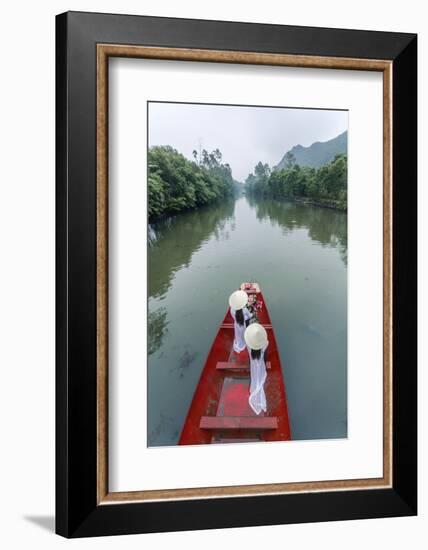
x,y
257,399
239,342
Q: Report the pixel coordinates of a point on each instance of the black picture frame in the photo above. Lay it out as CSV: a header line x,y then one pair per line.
x,y
77,512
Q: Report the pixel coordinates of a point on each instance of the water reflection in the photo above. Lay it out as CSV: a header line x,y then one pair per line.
x,y
185,362
164,425
173,241
325,226
157,328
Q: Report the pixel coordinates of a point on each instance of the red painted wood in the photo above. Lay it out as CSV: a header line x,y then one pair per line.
x,y
239,423
234,397
206,399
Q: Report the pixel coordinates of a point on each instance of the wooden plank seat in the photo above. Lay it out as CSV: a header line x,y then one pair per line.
x,y
238,423
231,325
226,365
254,288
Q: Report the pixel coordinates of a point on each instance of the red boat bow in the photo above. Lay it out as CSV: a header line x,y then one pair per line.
x,y
220,412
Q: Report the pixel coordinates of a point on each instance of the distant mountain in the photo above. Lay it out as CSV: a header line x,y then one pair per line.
x,y
317,154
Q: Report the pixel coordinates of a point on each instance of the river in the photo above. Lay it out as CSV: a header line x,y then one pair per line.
x,y
298,254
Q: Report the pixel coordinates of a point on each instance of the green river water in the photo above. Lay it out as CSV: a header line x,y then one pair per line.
x,y
298,254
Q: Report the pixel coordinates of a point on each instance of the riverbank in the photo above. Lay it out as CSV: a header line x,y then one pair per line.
x,y
168,217
323,203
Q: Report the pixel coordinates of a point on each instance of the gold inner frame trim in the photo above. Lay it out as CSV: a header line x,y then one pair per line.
x,y
104,51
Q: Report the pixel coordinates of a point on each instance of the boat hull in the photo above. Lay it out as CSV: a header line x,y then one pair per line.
x,y
219,411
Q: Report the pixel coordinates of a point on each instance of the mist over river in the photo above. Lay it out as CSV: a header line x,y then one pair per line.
x,y
298,254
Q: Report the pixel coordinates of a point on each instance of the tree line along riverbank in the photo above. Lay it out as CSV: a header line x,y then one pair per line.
x,y
325,186
176,183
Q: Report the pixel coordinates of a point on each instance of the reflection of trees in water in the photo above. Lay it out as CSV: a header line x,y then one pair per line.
x,y
325,226
171,245
157,328
172,242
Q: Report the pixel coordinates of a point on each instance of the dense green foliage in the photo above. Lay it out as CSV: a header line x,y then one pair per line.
x,y
317,154
326,185
176,183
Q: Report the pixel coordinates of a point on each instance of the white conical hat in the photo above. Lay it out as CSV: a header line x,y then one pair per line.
x,y
238,299
255,336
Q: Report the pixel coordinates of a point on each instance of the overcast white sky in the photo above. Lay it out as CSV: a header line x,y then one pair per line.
x,y
244,135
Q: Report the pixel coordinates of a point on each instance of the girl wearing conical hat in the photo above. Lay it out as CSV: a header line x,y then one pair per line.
x,y
238,302
257,342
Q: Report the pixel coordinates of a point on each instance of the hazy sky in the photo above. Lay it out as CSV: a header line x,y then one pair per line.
x,y
244,135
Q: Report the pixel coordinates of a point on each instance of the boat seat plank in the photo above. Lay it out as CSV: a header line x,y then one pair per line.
x,y
231,325
238,423
226,365
254,288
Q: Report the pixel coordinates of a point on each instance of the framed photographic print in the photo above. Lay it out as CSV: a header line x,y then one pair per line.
x,y
236,274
